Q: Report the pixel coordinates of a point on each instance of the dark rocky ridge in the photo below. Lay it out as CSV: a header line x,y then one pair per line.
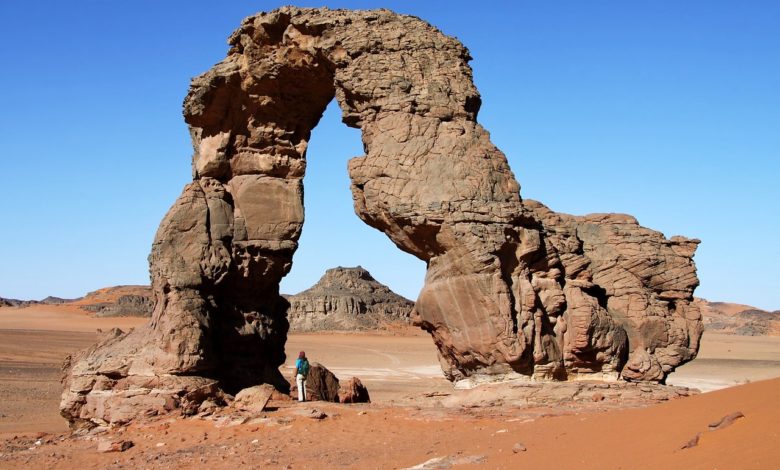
x,y
347,299
737,319
125,306
50,300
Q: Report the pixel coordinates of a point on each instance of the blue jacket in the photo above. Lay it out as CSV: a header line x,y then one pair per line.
x,y
298,363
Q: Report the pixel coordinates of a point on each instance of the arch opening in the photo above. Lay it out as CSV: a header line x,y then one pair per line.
x,y
332,235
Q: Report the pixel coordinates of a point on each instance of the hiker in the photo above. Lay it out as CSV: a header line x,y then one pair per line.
x,y
301,372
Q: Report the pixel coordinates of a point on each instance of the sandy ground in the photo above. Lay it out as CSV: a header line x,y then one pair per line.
x,y
60,318
728,360
399,429
393,368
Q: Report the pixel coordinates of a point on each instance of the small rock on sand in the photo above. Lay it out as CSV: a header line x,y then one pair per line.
x,y
105,445
727,420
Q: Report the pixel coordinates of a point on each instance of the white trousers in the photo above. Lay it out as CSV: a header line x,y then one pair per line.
x,y
301,382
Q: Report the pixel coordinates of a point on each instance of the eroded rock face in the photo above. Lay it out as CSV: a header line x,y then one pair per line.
x,y
510,287
347,299
628,291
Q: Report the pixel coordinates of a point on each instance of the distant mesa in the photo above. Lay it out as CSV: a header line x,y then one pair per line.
x,y
347,299
119,301
122,301
738,319
50,300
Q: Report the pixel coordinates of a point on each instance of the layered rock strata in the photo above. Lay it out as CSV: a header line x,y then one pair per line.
x,y
511,288
347,299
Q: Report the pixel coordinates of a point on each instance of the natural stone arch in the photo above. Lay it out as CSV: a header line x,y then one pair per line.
x,y
511,287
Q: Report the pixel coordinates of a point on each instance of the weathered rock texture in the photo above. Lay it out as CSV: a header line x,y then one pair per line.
x,y
347,299
510,287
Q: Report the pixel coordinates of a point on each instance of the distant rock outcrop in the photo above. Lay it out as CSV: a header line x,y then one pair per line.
x,y
119,301
738,319
323,385
106,302
347,299
50,300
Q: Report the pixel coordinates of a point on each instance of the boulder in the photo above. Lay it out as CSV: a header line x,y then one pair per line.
x,y
109,445
321,384
353,391
254,398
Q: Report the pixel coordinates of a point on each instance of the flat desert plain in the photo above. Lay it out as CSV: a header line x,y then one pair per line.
x,y
405,426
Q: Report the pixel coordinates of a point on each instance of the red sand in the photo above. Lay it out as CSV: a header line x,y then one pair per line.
x,y
380,435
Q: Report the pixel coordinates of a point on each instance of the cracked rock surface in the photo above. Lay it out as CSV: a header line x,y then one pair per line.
x,y
511,287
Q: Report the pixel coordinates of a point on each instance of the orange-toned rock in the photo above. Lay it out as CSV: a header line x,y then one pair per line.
x,y
511,287
353,391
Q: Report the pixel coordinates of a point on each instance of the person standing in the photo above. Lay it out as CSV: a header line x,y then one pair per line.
x,y
301,372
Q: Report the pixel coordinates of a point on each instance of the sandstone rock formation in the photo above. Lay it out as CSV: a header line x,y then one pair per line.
x,y
346,299
511,287
254,398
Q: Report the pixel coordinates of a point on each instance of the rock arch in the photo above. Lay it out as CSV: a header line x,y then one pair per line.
x,y
511,287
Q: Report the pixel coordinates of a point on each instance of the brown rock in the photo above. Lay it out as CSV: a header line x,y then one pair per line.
x,y
642,284
321,384
208,406
254,398
106,445
511,286
353,391
347,299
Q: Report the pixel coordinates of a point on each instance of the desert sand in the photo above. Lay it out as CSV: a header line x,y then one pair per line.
x,y
405,425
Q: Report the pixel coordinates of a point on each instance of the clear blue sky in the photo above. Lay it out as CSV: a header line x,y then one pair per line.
x,y
666,110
